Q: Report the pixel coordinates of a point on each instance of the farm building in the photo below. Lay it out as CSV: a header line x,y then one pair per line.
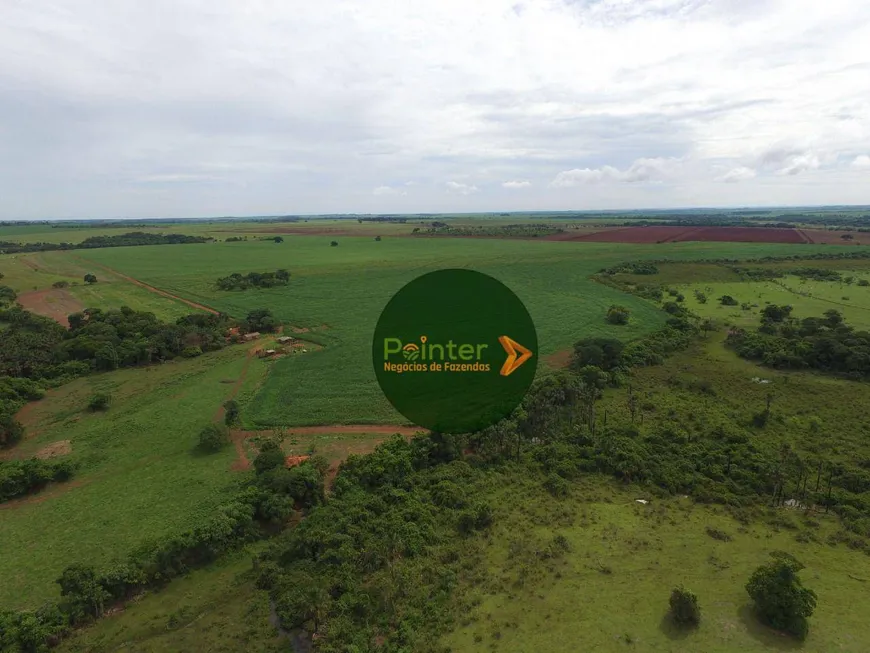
x,y
251,336
285,339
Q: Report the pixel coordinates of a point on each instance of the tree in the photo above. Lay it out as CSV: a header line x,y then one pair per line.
x,y
282,275
213,438
377,239
847,236
774,313
11,431
90,277
863,282
270,457
278,239
99,401
81,588
618,314
684,607
780,599
727,300
334,243
707,326
7,296
261,319
231,412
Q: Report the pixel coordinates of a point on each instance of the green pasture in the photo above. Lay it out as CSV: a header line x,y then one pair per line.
x,y
609,592
808,298
139,476
215,609
341,290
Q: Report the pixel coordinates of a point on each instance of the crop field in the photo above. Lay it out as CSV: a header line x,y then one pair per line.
x,y
338,293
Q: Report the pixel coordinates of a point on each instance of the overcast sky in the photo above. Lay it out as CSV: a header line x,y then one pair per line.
x,y
173,108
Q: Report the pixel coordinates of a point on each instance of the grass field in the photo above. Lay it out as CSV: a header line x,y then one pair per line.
x,y
341,291
610,591
808,298
215,609
139,475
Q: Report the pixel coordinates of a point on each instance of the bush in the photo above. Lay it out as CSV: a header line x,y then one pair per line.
x,y
90,278
618,315
11,431
780,599
334,243
377,239
556,485
99,401
728,300
191,352
60,284
685,610
213,438
231,412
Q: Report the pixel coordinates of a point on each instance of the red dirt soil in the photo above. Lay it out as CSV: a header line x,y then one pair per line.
x,y
156,291
645,235
836,237
55,303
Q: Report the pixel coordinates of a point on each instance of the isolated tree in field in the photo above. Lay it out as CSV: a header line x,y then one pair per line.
x,y
278,239
781,600
377,239
863,282
90,277
213,438
99,401
618,314
270,457
727,300
847,237
684,607
334,243
231,412
701,297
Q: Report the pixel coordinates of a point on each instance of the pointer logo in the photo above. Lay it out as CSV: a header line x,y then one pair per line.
x,y
512,362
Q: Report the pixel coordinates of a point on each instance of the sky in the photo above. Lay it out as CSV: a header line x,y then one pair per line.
x,y
183,108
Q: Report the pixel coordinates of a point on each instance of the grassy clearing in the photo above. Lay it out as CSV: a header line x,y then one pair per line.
x,y
215,609
344,288
139,476
610,591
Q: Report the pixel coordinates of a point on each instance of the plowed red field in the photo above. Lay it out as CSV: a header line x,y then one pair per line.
x,y
682,234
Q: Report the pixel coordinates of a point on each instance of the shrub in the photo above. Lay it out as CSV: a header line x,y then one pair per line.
x,y
780,599
863,282
377,239
213,438
191,352
99,401
334,243
728,300
11,431
60,284
685,610
90,278
231,412
618,315
556,485
716,534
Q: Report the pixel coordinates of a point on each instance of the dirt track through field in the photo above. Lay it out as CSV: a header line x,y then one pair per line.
x,y
150,288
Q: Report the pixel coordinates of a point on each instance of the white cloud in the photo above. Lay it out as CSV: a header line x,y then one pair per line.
x,y
388,190
861,161
642,170
516,184
740,173
97,100
460,189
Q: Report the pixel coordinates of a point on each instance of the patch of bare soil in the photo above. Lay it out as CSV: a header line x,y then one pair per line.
x,y
55,303
560,359
60,448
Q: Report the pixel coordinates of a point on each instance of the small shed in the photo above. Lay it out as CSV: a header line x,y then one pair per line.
x,y
251,336
285,339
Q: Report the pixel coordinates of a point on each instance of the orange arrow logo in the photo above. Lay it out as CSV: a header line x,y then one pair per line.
x,y
512,362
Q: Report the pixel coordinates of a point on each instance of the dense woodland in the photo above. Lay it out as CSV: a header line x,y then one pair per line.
x,y
824,343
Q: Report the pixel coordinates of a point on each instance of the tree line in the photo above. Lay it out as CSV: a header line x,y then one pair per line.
x,y
237,281
21,477
133,238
